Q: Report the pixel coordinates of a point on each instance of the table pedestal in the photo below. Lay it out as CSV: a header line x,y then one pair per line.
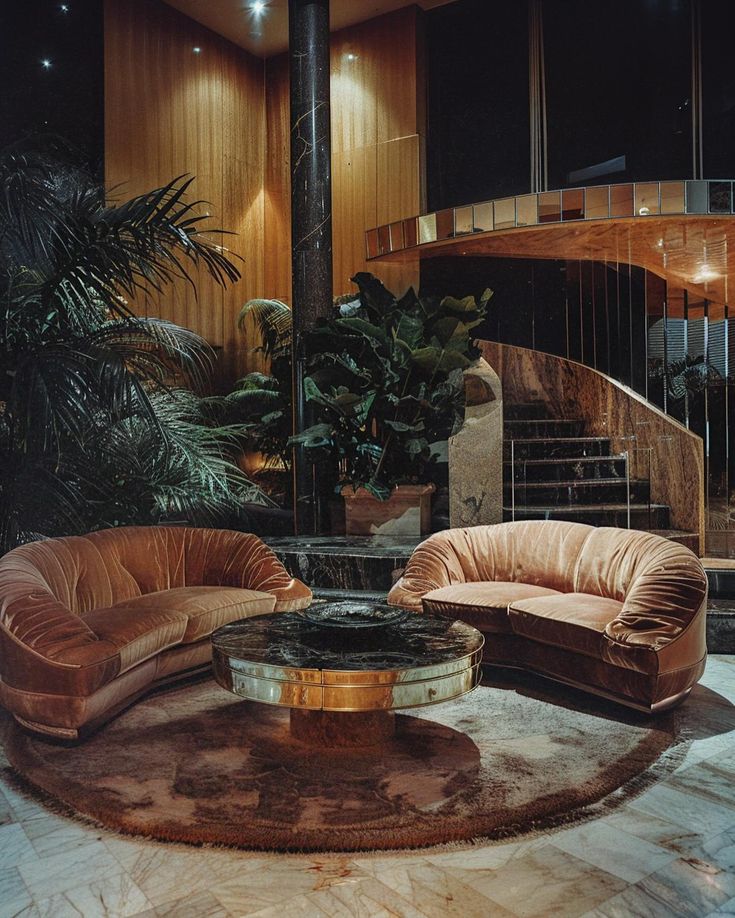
x,y
348,728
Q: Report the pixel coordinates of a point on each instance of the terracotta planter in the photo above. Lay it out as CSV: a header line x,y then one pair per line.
x,y
407,512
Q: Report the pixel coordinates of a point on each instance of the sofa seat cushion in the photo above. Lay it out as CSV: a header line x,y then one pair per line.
x,y
137,634
573,621
204,608
484,605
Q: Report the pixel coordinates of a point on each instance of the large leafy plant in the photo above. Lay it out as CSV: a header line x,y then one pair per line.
x,y
90,432
386,377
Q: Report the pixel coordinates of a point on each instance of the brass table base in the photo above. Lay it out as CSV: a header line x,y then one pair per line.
x,y
342,728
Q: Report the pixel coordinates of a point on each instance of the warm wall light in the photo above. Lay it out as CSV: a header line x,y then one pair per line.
x,y
705,273
351,56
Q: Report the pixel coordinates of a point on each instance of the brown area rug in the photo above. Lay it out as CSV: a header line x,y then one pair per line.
x,y
195,764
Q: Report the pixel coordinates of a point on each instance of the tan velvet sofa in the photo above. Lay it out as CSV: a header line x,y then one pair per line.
x,y
617,612
87,624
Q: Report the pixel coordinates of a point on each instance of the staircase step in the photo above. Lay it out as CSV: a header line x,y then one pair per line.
x,y
642,516
578,468
572,493
557,447
526,411
543,428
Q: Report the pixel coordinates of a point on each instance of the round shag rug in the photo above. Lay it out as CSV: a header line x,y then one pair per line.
x,y
195,764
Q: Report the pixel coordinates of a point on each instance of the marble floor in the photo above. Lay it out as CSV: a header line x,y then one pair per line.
x,y
668,852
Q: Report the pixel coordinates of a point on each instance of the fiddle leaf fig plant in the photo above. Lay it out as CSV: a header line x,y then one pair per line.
x,y
386,378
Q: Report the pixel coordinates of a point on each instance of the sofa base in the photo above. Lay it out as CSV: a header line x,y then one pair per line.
x,y
646,692
73,735
659,707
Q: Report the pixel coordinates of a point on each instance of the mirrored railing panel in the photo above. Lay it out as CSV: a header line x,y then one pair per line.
x,y
599,202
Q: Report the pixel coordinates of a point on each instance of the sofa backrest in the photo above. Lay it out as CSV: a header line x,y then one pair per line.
x,y
569,557
522,552
104,568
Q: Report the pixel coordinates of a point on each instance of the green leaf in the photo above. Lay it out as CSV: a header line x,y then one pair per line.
x,y
410,331
381,491
439,360
319,435
362,327
402,427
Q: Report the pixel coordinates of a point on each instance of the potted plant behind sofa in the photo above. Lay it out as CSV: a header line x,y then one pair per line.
x,y
386,377
91,433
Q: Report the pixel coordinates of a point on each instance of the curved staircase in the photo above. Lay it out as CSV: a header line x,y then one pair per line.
x,y
554,469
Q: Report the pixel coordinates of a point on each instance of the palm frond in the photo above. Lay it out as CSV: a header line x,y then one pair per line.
x,y
274,322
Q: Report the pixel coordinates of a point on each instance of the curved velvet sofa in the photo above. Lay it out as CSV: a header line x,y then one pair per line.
x,y
89,623
617,612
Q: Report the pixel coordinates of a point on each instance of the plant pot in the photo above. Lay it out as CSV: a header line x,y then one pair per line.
x,y
407,512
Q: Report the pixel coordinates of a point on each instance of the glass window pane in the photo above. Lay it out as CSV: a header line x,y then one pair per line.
x,y
572,204
505,213
720,197
410,232
549,207
483,217
526,212
646,199
597,203
462,220
672,197
427,228
621,200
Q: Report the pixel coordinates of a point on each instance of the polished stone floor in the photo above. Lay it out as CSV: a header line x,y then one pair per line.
x,y
668,852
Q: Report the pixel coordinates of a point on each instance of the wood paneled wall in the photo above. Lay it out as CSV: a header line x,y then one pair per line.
x,y
223,116
170,111
378,129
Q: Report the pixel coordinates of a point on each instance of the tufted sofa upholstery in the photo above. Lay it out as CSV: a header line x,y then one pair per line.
x,y
618,612
89,623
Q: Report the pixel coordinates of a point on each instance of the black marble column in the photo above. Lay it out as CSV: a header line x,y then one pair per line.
x,y
311,222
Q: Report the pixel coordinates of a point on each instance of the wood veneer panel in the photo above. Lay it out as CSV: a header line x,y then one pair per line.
x,y
169,111
610,409
377,137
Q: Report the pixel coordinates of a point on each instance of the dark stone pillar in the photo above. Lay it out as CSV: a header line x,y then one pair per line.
x,y
311,222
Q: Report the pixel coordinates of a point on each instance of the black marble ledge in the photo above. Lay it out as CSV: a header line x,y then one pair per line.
x,y
352,563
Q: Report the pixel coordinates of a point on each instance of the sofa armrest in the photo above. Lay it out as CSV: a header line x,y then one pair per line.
x,y
662,625
434,564
254,566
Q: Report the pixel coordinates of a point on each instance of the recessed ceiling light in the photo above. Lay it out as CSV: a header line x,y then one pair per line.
x,y
258,7
46,63
196,49
351,56
64,8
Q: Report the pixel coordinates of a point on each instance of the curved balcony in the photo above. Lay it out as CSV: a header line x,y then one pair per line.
x,y
683,231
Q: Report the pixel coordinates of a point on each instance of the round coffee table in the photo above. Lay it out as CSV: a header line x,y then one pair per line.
x,y
343,684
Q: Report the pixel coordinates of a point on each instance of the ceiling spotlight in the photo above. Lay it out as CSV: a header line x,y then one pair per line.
x,y
64,8
258,7
46,63
196,49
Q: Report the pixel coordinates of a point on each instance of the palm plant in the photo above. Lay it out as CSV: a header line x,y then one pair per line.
x,y
84,401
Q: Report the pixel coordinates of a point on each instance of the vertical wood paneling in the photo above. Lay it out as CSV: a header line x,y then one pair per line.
x,y
377,111
277,266
169,111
